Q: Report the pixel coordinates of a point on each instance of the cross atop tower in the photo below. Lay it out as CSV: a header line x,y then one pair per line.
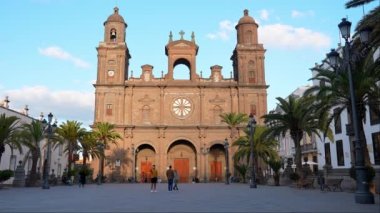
x,y
182,33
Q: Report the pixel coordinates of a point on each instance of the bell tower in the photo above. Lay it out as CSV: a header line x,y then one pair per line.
x,y
248,56
182,52
113,53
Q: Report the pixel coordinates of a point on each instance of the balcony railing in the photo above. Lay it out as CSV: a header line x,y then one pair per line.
x,y
310,147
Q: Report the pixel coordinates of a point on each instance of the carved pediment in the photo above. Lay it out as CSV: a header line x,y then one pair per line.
x,y
146,100
217,100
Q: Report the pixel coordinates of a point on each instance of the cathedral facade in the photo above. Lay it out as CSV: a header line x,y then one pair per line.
x,y
165,121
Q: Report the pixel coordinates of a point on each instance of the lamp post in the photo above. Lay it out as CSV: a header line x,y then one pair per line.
x,y
252,126
226,145
100,173
362,194
48,128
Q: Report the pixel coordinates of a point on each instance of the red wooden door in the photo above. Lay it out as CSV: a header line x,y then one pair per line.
x,y
182,167
145,171
216,170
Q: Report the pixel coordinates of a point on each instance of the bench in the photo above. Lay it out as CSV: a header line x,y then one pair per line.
x,y
333,183
306,183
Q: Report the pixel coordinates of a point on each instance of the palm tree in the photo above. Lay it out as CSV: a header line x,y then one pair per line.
x,y
335,92
369,21
31,136
88,147
233,120
71,132
105,133
297,116
8,129
242,169
263,147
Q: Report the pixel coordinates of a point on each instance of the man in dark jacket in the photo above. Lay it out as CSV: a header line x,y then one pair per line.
x,y
170,176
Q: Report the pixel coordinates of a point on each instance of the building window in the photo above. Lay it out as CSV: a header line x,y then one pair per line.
x,y
251,72
376,147
109,109
253,109
374,112
327,154
12,162
113,35
337,122
339,153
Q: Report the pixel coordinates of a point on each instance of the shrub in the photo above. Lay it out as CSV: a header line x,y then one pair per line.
x,y
5,175
370,171
294,176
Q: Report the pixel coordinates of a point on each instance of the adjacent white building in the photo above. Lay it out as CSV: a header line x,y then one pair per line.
x,y
11,157
308,144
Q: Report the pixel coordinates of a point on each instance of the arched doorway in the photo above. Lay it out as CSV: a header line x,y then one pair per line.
x,y
217,162
145,159
183,158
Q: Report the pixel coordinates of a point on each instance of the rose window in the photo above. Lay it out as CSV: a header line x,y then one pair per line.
x,y
181,107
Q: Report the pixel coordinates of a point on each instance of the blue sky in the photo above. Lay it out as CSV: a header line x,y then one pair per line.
x,y
48,58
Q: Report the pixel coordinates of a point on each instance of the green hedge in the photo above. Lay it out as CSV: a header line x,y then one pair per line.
x,y
5,175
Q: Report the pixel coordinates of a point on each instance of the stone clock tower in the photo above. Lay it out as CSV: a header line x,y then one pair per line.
x,y
167,121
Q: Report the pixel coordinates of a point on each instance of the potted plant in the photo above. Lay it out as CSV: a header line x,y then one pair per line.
x,y
5,175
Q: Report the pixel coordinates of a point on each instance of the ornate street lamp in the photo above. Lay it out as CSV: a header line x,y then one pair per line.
x,y
251,127
226,146
362,194
205,151
48,128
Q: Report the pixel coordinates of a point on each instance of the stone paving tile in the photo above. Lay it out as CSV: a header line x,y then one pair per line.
x,y
190,198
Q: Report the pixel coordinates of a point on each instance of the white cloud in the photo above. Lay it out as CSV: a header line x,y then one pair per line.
x,y
226,28
65,104
289,37
58,53
264,14
299,14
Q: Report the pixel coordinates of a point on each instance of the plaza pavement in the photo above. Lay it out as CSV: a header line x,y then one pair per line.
x,y
190,198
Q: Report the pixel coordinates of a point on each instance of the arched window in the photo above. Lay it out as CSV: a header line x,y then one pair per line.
x,y
248,37
113,34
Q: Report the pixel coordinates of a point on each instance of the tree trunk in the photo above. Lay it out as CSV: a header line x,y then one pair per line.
x,y
69,157
362,138
85,156
297,136
33,177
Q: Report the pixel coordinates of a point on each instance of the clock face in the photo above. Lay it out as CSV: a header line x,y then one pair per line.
x,y
181,107
111,73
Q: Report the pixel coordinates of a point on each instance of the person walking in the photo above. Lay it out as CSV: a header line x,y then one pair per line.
x,y
175,180
170,177
153,179
82,177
